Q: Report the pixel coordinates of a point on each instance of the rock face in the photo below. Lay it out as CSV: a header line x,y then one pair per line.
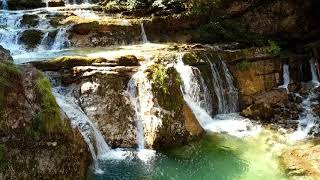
x,y
5,54
36,140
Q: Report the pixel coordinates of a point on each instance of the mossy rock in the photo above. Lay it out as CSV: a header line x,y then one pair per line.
x,y
31,38
49,119
30,20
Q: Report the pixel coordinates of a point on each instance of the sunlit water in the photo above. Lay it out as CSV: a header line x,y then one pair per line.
x,y
216,157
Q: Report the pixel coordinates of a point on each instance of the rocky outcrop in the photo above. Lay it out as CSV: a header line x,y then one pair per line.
x,y
5,54
36,139
101,88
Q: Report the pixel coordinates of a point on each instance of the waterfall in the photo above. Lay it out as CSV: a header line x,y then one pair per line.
x,y
141,96
97,145
9,35
232,92
134,98
61,40
194,86
4,5
144,35
226,92
286,77
314,70
195,94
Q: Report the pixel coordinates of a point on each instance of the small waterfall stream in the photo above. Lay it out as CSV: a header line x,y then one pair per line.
x,y
142,99
314,70
97,145
286,77
61,40
144,35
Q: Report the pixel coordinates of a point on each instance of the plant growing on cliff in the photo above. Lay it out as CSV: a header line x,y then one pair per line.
x,y
273,48
204,7
243,65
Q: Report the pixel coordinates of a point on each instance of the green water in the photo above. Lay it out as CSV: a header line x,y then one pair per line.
x,y
216,157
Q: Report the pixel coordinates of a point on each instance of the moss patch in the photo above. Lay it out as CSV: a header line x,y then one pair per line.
x,y
48,120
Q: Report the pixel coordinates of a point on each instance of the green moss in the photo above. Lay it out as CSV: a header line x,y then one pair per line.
x,y
48,120
243,65
160,76
166,87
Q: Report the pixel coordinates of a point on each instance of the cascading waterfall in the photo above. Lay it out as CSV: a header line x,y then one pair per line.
x,y
196,96
135,100
141,96
97,145
307,120
226,92
232,92
286,77
9,36
61,40
144,35
314,70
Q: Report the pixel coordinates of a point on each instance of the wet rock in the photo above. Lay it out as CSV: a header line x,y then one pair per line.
x,y
5,54
104,99
30,20
262,112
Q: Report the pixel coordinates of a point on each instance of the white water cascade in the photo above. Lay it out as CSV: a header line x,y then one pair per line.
x,y
61,40
141,96
226,93
307,120
97,145
286,77
144,35
232,124
314,70
232,92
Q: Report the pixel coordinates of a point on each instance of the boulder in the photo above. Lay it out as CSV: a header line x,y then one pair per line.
x,y
36,139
